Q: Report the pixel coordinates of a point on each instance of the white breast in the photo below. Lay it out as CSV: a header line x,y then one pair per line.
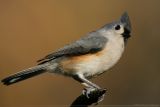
x,y
112,52
107,58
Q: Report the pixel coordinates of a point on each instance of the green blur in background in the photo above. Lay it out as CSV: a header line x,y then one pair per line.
x,y
30,29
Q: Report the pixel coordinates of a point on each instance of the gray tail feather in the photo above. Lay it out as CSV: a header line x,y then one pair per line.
x,y
25,74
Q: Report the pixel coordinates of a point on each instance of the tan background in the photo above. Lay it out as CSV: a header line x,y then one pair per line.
x,y
30,29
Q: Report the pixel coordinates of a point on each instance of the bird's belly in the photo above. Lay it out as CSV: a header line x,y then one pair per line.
x,y
92,64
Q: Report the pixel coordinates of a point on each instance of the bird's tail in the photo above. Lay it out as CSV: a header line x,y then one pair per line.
x,y
25,74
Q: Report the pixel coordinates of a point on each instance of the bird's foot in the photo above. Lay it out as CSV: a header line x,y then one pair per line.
x,y
87,91
94,94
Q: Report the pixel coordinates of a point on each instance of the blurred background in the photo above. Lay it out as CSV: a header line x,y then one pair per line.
x,y
30,29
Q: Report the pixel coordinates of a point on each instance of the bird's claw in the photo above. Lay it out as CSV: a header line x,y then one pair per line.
x,y
87,91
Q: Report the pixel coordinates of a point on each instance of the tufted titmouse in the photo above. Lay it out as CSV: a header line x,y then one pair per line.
x,y
88,57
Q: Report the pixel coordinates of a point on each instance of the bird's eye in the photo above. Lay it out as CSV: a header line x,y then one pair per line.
x,y
117,27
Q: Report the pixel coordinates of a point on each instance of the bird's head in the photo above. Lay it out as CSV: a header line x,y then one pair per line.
x,y
121,27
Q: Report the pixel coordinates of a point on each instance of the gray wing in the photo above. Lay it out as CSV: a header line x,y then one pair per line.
x,y
91,43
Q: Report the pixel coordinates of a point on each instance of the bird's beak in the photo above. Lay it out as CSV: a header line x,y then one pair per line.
x,y
127,25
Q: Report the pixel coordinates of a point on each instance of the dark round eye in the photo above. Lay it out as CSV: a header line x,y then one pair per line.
x,y
117,27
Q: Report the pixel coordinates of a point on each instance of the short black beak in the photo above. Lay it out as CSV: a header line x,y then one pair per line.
x,y
127,25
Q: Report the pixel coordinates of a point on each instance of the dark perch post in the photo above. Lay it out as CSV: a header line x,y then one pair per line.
x,y
94,97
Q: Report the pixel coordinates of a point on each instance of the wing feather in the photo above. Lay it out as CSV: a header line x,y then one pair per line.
x,y
92,43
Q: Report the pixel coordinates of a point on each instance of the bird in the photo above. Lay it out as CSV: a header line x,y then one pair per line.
x,y
91,55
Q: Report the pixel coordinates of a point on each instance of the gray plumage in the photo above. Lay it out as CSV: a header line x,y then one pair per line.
x,y
24,74
103,46
91,43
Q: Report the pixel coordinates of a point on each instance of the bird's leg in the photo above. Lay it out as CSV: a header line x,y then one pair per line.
x,y
90,87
